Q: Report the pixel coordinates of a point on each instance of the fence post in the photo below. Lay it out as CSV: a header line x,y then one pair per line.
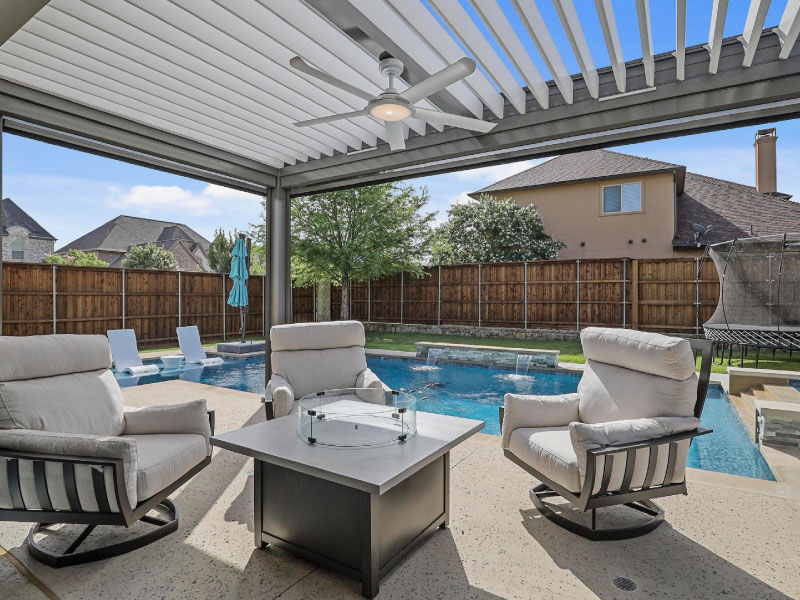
x,y
401,295
525,294
224,311
697,294
313,302
55,315
180,301
369,299
624,290
439,299
635,293
578,294
124,277
350,299
479,294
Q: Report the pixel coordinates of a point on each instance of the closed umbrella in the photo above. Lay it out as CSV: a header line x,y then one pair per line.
x,y
239,275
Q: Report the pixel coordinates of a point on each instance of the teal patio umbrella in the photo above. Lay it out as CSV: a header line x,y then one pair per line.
x,y
238,296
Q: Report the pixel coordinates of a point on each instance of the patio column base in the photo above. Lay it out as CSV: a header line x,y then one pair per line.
x,y
648,507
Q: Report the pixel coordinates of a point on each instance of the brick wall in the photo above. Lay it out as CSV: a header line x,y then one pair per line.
x,y
35,249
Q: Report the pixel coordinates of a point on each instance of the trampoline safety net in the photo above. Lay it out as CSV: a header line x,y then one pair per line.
x,y
759,300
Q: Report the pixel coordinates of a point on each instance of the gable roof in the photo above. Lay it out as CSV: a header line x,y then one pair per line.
x,y
122,232
581,166
14,215
732,209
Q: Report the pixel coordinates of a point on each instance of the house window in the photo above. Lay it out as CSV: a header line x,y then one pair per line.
x,y
626,197
17,248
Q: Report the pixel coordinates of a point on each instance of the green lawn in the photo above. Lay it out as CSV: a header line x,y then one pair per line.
x,y
570,351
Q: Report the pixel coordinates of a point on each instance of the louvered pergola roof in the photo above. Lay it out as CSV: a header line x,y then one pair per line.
x,y
205,85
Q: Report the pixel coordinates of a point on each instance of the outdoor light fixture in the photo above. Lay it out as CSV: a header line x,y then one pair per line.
x,y
389,110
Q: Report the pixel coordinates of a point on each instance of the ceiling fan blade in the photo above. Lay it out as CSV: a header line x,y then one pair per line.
x,y
394,135
302,66
329,118
442,118
438,81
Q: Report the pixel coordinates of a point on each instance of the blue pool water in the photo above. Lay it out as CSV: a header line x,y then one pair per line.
x,y
476,392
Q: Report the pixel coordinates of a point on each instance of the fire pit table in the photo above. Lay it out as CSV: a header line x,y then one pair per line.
x,y
353,481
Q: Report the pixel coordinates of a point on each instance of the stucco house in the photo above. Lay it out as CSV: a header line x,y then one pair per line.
x,y
605,204
23,238
113,239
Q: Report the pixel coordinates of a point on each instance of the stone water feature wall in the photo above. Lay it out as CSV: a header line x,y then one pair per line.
x,y
487,355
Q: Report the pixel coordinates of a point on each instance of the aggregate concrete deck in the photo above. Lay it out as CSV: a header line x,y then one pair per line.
x,y
725,540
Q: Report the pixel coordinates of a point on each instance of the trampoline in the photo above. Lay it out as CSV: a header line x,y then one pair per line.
x,y
759,299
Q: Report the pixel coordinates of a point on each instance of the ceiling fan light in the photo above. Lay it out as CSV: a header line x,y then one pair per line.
x,y
390,111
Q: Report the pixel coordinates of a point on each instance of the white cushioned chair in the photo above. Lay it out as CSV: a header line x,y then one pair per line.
x,y
308,358
623,438
70,452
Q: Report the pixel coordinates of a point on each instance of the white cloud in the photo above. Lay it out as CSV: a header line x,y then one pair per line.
x,y
175,200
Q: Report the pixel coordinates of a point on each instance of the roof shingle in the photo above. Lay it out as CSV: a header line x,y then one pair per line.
x,y
14,215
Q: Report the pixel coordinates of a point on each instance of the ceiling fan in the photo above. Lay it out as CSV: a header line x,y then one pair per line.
x,y
392,107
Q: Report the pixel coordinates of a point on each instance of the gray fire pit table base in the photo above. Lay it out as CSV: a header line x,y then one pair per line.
x,y
355,511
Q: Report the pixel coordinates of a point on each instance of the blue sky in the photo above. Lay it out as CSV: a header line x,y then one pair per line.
x,y
70,193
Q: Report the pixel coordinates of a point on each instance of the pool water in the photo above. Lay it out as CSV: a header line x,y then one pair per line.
x,y
477,392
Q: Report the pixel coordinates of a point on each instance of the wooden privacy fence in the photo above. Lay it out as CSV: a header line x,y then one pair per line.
x,y
42,299
649,294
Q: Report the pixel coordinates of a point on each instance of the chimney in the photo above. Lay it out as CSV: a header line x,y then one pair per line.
x,y
766,170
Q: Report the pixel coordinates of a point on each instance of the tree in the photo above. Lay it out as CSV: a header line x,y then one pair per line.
x,y
356,234
493,230
77,258
150,257
220,252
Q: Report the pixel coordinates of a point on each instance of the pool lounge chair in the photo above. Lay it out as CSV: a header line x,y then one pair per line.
x,y
316,357
192,349
623,438
71,453
125,353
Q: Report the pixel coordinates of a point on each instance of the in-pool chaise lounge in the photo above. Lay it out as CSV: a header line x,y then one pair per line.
x,y
192,348
623,438
315,357
71,453
125,353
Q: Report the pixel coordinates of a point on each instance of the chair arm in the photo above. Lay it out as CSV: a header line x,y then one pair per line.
x,y
667,439
367,380
185,417
92,450
278,397
537,411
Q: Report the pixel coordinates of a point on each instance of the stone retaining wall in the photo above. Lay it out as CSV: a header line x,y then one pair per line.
x,y
487,355
474,331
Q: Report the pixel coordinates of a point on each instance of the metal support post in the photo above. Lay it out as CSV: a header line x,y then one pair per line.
x,y
280,284
314,290
224,312
525,295
578,294
697,294
1,224
624,291
124,283
55,297
267,300
180,301
402,280
350,298
479,294
369,300
439,300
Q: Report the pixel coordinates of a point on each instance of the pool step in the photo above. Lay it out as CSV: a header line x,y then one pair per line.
x,y
782,393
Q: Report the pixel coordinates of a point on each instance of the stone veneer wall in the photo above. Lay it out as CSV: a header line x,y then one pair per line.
x,y
487,355
781,427
474,331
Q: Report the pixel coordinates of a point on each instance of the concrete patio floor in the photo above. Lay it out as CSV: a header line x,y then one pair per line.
x,y
720,541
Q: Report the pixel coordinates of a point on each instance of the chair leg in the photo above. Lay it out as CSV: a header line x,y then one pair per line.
x,y
70,557
648,507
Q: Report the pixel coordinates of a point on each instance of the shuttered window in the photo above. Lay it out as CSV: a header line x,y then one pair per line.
x,y
626,197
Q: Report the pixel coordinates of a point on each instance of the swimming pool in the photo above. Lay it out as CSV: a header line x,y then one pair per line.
x,y
476,392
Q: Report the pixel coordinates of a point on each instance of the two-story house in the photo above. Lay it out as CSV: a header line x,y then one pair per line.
x,y
605,204
22,238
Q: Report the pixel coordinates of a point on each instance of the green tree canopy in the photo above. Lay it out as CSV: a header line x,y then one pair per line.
x,y
493,230
220,251
356,234
76,258
150,257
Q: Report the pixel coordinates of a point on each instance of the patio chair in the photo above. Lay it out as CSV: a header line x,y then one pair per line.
x,y
192,349
125,353
316,357
623,438
71,453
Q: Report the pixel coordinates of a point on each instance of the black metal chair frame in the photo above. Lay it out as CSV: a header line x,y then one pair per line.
x,y
639,499
125,517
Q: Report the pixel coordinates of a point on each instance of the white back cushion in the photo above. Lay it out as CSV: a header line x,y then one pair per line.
x,y
89,403
611,393
652,353
317,336
310,371
35,356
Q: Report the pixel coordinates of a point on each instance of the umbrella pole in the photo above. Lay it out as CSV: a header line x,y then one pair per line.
x,y
243,318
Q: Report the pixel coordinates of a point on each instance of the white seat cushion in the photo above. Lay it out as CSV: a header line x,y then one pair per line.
x,y
549,450
164,458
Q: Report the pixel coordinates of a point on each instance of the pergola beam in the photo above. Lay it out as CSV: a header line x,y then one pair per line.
x,y
646,35
608,23
577,40
703,102
680,39
718,13
15,13
789,28
752,29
